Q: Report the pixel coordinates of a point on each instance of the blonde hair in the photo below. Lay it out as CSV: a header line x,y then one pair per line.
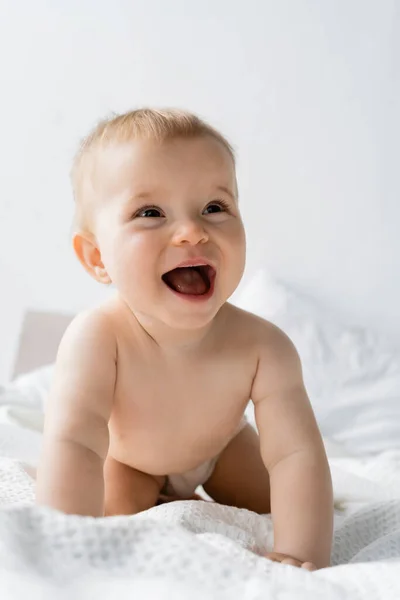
x,y
146,123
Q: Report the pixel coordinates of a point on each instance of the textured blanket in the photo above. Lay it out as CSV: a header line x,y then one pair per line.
x,y
198,549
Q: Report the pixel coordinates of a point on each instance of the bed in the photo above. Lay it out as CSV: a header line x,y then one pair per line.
x,y
200,549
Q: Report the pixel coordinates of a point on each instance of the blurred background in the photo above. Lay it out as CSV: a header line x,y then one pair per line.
x,y
307,91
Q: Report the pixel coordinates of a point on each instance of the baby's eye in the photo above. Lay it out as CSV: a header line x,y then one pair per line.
x,y
216,206
148,212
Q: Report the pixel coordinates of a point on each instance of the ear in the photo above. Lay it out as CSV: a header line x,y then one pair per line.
x,y
89,256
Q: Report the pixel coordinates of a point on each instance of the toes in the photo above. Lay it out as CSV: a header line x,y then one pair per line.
x,y
291,561
309,566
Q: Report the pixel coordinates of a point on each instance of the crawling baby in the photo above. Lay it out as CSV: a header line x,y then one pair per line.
x,y
151,386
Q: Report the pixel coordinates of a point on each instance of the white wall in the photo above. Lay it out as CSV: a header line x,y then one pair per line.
x,y
308,92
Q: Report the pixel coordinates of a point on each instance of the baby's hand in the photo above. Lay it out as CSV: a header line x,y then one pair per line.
x,y
285,559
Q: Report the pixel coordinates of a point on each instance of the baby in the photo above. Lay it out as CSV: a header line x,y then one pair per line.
x,y
151,386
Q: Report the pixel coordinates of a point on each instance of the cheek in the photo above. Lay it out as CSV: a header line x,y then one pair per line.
x,y
235,251
241,233
133,255
235,238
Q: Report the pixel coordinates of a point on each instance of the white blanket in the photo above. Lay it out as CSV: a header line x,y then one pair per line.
x,y
198,549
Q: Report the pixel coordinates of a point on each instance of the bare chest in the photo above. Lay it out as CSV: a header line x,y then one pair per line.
x,y
169,417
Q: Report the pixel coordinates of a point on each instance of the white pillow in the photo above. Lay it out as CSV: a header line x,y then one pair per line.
x,y
21,415
29,390
352,377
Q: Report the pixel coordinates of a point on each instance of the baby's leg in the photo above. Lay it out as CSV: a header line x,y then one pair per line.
x,y
240,477
128,491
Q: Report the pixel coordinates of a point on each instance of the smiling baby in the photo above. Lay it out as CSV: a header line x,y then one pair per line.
x,y
151,386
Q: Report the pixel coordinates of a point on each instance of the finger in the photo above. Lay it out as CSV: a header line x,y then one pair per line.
x,y
280,558
309,566
291,561
274,557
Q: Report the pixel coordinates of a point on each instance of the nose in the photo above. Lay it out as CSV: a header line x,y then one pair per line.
x,y
189,232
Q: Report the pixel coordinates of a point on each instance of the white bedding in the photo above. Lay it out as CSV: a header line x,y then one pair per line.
x,y
202,550
197,549
188,549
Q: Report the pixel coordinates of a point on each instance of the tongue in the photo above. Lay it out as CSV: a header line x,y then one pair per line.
x,y
187,280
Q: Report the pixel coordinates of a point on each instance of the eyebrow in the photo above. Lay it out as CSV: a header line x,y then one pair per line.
x,y
145,195
139,197
226,190
142,195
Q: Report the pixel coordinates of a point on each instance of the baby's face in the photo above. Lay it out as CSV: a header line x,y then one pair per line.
x,y
161,205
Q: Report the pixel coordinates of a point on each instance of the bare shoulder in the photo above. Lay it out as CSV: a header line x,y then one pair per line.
x,y
89,327
265,335
85,371
278,362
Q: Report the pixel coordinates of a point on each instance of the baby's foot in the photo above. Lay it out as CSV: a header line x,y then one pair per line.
x,y
164,498
285,559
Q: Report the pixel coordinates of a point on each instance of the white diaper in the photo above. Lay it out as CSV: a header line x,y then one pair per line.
x,y
184,484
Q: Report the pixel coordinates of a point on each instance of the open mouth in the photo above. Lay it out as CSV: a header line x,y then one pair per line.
x,y
191,281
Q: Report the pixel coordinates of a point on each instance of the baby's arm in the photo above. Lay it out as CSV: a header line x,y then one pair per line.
x,y
70,474
293,452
